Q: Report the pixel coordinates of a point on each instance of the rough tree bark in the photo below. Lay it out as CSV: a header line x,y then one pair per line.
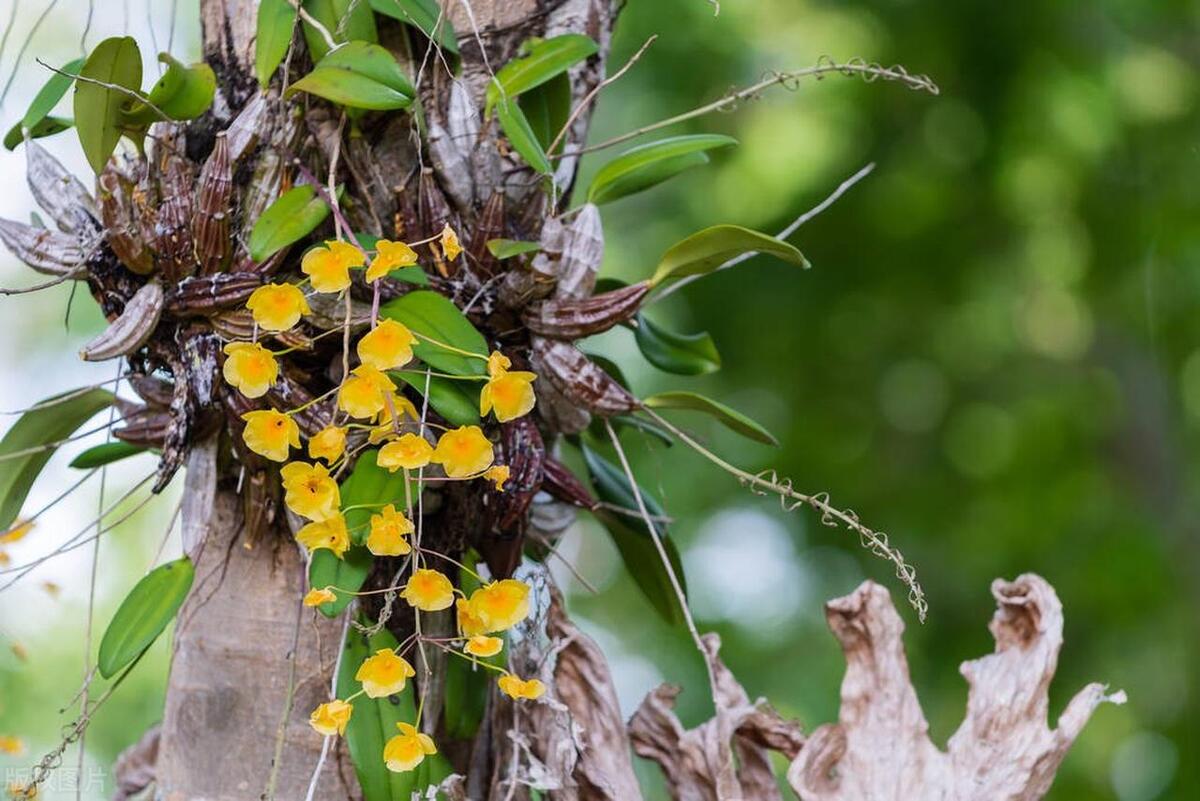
x,y
237,675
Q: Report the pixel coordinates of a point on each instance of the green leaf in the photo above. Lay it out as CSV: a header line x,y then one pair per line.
x,y
36,119
293,216
704,251
346,21
507,248
544,59
107,453
521,135
422,15
150,606
367,484
115,61
373,721
682,354
273,36
358,75
730,418
347,573
371,486
182,93
631,535
35,435
457,401
436,317
46,126
547,108
648,165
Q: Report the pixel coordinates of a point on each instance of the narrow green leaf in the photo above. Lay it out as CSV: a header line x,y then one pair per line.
x,y
507,248
346,21
36,119
410,275
704,251
434,316
547,108
648,165
457,401
46,126
682,354
182,93
521,136
423,15
358,75
150,606
347,573
293,216
371,486
107,453
35,435
273,35
373,721
544,59
730,418
631,535
115,61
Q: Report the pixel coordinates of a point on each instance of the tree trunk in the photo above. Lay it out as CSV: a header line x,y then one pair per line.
x,y
250,663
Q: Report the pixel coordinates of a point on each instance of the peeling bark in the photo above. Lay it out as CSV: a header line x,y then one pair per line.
x,y
879,748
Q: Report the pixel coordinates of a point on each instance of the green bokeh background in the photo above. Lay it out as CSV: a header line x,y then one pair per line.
x,y
995,359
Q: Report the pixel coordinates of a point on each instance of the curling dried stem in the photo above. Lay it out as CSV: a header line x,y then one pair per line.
x,y
769,483
788,80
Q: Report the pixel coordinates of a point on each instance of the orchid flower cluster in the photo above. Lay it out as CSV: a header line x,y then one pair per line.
x,y
368,400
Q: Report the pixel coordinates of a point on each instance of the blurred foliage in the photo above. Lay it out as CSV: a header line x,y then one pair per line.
x,y
996,359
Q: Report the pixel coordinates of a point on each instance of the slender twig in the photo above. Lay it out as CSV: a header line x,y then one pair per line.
x,y
91,603
70,276
289,700
49,446
842,188
333,682
590,96
131,93
768,482
315,23
24,46
676,585
788,80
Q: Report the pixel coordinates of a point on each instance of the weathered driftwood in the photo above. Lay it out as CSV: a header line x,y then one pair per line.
x,y
880,748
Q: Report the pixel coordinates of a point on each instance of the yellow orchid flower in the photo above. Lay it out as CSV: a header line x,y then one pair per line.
x,y
497,474
17,532
328,266
362,394
388,530
450,245
469,624
389,256
387,346
462,452
501,604
331,718
509,394
407,749
329,444
317,597
270,433
428,590
309,490
277,307
517,688
330,533
250,368
483,646
410,451
384,674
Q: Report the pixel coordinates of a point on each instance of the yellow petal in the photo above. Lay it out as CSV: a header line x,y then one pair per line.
x,y
277,307
463,451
